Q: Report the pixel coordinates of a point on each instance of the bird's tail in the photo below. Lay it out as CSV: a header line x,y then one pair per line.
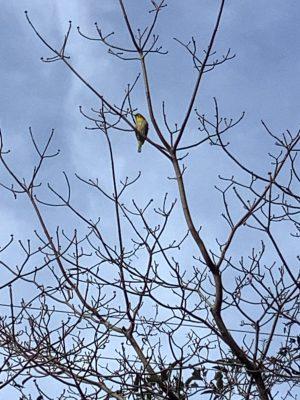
x,y
140,144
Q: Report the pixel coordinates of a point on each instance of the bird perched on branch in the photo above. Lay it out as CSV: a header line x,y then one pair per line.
x,y
141,126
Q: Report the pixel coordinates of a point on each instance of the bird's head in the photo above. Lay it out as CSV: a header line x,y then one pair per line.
x,y
138,117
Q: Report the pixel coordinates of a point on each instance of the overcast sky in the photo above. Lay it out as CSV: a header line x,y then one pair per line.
x,y
263,80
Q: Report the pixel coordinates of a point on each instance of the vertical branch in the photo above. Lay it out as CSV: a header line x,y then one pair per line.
x,y
201,72
118,221
145,76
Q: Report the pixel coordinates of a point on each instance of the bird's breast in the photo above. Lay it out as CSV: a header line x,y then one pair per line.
x,y
141,124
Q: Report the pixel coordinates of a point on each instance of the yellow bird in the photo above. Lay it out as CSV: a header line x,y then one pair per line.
x,y
141,126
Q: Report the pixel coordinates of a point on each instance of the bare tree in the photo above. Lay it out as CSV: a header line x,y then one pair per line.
x,y
118,311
